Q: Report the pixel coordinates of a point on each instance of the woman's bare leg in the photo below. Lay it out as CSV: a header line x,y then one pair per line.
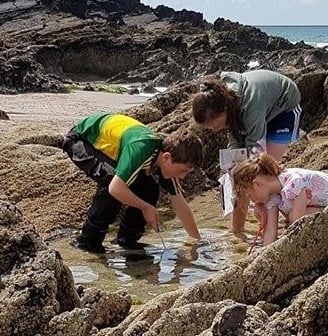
x,y
276,150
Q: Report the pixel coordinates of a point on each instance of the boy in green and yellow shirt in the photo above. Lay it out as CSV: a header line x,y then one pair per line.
x,y
129,162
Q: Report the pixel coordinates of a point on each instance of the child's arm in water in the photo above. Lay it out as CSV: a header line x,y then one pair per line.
x,y
184,213
271,226
239,214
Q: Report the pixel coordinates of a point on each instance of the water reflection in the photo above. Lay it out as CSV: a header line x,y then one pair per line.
x,y
178,263
83,274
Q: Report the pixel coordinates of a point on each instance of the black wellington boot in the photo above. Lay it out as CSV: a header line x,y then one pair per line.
x,y
129,242
90,239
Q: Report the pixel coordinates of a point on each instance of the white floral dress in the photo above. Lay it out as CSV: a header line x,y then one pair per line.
x,y
293,181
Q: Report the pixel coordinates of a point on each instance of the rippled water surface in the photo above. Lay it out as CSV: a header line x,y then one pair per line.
x,y
157,269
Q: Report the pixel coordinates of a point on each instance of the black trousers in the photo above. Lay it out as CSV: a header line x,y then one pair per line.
x,y
105,208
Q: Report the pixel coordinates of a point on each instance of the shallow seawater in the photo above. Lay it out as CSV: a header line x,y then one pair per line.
x,y
159,268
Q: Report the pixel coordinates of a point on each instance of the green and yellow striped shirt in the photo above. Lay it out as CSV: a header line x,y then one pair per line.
x,y
128,143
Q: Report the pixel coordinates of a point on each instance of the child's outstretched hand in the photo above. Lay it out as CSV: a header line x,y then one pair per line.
x,y
151,216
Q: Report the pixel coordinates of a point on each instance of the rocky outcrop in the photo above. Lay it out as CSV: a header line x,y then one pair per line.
x,y
247,38
108,308
3,115
127,41
37,293
312,90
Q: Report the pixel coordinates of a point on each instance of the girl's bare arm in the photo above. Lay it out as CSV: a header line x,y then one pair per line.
x,y
271,226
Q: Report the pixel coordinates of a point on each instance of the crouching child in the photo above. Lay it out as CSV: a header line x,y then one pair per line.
x,y
130,162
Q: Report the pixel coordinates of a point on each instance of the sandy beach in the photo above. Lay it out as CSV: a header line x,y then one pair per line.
x,y
63,109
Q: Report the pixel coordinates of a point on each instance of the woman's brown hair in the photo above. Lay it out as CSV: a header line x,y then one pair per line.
x,y
213,100
245,172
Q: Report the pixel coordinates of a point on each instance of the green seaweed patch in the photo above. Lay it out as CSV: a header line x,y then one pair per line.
x,y
111,88
72,87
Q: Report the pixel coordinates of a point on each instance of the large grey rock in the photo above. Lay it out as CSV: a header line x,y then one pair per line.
x,y
109,308
78,322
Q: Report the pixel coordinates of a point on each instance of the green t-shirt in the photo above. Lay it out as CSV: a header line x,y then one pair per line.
x,y
128,143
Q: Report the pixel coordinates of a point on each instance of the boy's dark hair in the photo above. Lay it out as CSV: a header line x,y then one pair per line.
x,y
185,147
214,99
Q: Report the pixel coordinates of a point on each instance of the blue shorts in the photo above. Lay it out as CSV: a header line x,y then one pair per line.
x,y
285,127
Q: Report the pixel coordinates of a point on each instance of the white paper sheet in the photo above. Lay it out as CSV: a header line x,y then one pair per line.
x,y
226,194
228,159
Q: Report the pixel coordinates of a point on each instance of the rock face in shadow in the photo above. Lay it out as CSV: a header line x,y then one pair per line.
x,y
312,89
3,115
126,41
